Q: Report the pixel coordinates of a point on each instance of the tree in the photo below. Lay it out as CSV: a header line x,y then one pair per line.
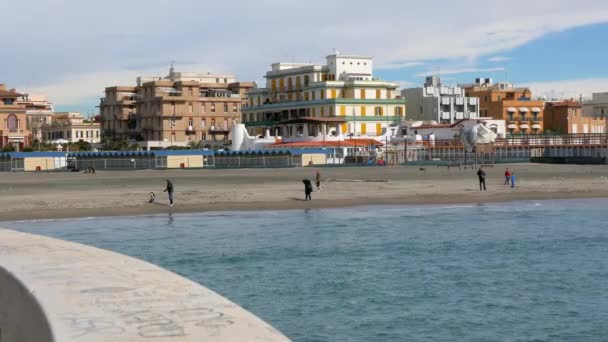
x,y
195,145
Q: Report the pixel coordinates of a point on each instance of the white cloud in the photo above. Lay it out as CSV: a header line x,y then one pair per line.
x,y
567,89
460,71
75,40
499,59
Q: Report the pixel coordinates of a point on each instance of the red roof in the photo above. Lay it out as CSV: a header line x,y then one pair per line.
x,y
343,143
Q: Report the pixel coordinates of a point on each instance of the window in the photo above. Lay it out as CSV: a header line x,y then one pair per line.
x,y
213,108
306,80
217,80
190,122
225,108
378,111
362,94
363,111
235,107
312,94
342,110
97,133
190,92
12,124
333,93
398,111
225,80
378,93
190,108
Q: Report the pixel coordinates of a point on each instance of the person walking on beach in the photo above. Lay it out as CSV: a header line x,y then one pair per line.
x,y
169,190
513,179
307,189
507,177
318,180
482,179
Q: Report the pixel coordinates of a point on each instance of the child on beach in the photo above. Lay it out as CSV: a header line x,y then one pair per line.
x,y
507,177
513,180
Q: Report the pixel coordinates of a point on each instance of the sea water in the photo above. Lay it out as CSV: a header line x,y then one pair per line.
x,y
521,271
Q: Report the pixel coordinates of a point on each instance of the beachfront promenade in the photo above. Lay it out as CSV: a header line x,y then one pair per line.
x,y
58,291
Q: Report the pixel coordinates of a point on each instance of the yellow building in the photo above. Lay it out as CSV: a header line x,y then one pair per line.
x,y
344,88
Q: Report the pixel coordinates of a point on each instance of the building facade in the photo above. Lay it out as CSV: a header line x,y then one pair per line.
x,y
343,88
436,102
39,113
503,101
597,106
70,127
175,110
13,129
566,117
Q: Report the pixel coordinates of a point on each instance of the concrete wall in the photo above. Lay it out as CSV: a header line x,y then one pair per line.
x,y
30,164
58,291
174,162
18,305
316,159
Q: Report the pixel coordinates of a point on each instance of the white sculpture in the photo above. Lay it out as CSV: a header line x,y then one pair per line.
x,y
478,134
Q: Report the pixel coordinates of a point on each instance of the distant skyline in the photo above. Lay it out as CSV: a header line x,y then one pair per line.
x,y
71,50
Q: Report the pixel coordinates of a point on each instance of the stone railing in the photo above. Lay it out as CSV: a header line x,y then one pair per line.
x,y
57,291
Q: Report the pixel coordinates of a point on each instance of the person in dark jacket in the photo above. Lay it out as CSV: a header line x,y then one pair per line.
x,y
482,179
307,189
169,190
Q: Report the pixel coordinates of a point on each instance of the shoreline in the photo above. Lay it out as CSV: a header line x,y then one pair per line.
x,y
33,196
157,209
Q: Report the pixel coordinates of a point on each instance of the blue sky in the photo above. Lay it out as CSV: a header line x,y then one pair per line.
x,y
72,49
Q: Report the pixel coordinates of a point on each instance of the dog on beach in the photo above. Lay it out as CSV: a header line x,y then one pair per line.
x,y
152,198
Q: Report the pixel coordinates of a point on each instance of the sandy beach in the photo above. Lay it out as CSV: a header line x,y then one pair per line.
x,y
27,196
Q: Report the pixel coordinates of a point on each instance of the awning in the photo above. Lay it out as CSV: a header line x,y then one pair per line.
x,y
512,126
524,126
524,110
536,110
511,110
536,126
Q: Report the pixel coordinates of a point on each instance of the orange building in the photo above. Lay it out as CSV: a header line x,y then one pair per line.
x,y
502,101
13,129
567,117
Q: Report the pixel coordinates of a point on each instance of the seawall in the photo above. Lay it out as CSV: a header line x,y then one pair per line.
x,y
58,291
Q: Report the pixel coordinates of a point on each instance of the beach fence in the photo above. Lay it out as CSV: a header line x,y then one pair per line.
x,y
32,161
141,160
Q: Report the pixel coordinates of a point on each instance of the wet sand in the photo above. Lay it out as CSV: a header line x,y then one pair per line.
x,y
27,196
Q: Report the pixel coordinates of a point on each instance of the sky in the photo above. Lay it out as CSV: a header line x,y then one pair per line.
x,y
71,50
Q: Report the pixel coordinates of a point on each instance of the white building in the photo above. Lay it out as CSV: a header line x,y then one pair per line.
x,y
436,102
70,127
597,106
308,102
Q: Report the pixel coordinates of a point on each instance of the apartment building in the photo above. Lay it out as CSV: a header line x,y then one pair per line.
x,y
597,106
566,117
175,110
343,89
503,101
39,113
71,127
13,129
440,103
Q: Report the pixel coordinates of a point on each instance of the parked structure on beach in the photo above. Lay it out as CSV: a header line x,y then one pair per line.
x,y
70,127
13,130
503,101
174,110
566,117
437,102
304,101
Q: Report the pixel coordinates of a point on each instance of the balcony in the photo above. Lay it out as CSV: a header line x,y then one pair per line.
x,y
190,130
